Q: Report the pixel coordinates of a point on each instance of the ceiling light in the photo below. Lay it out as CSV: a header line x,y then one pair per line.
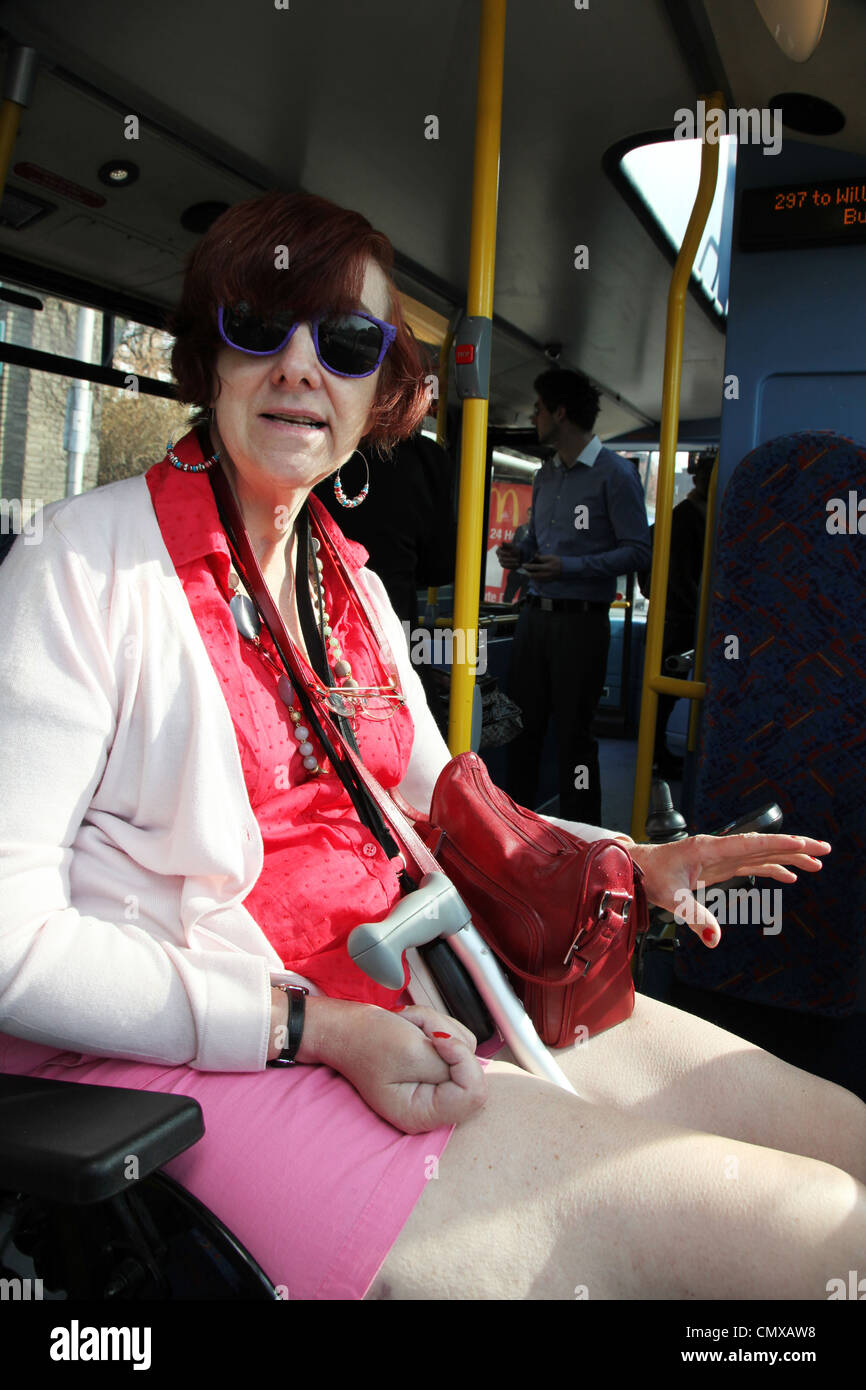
x,y
118,173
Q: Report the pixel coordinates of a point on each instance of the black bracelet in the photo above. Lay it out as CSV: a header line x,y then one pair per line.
x,y
297,1007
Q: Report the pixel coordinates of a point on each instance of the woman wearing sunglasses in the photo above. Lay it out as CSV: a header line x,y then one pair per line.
x,y
176,846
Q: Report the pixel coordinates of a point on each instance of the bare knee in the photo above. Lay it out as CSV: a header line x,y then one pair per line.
x,y
545,1196
487,1226
837,1120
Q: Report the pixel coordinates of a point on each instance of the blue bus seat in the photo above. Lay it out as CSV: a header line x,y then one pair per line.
x,y
783,719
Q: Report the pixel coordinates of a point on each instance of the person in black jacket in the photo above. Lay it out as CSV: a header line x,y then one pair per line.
x,y
406,522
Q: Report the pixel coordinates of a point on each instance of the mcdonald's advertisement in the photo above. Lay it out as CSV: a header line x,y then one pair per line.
x,y
510,505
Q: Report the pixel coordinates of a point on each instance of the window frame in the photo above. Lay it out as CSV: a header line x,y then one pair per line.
x,y
612,165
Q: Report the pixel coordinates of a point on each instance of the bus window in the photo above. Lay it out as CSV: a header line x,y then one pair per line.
x,y
62,435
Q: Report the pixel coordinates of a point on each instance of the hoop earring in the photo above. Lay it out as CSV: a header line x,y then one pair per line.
x,y
340,495
188,467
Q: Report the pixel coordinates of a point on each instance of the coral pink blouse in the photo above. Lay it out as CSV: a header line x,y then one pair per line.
x,y
323,872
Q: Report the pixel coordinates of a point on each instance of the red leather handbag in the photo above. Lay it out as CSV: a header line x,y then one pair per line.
x,y
561,915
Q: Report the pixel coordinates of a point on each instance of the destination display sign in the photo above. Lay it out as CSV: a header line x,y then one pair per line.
x,y
829,213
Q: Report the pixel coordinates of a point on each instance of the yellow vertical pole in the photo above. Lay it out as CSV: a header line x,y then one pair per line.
x,y
473,439
667,463
17,90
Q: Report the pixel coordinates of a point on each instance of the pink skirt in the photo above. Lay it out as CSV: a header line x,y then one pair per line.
x,y
315,1184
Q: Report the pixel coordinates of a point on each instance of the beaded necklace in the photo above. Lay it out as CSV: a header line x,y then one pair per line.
x,y
345,697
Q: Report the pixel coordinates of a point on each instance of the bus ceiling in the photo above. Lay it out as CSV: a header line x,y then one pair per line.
x,y
212,106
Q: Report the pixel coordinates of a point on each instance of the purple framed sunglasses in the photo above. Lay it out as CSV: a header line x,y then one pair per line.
x,y
351,345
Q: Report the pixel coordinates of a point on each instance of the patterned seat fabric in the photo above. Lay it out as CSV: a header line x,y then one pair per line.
x,y
784,719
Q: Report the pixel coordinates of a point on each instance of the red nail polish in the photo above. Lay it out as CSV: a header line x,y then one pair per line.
x,y
708,934
442,1035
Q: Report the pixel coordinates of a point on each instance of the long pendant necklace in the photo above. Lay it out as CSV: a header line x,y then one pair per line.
x,y
249,624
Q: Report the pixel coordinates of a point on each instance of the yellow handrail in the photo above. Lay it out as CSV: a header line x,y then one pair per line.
x,y
473,439
653,681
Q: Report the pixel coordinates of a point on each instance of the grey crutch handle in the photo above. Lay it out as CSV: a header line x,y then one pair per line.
x,y
434,909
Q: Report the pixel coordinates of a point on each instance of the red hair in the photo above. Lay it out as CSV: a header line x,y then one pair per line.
x,y
326,248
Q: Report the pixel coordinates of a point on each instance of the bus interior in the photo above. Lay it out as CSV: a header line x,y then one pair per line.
x,y
140,124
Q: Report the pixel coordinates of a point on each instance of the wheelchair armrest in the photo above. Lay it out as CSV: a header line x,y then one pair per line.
x,y
74,1143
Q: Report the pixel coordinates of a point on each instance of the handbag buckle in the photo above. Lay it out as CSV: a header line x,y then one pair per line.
x,y
602,912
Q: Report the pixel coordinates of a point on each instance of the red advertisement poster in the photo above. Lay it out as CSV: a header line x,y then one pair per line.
x,y
509,508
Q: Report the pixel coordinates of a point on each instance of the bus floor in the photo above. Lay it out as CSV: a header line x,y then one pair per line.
x,y
834,1048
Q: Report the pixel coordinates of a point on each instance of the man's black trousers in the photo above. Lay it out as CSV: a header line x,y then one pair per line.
x,y
558,666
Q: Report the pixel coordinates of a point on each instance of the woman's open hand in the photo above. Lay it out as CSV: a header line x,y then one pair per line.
x,y
417,1068
672,872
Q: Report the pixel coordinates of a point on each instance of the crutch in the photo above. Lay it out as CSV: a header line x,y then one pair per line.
x,y
435,909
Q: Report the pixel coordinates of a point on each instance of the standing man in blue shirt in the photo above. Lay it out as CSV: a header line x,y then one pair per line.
x,y
588,526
